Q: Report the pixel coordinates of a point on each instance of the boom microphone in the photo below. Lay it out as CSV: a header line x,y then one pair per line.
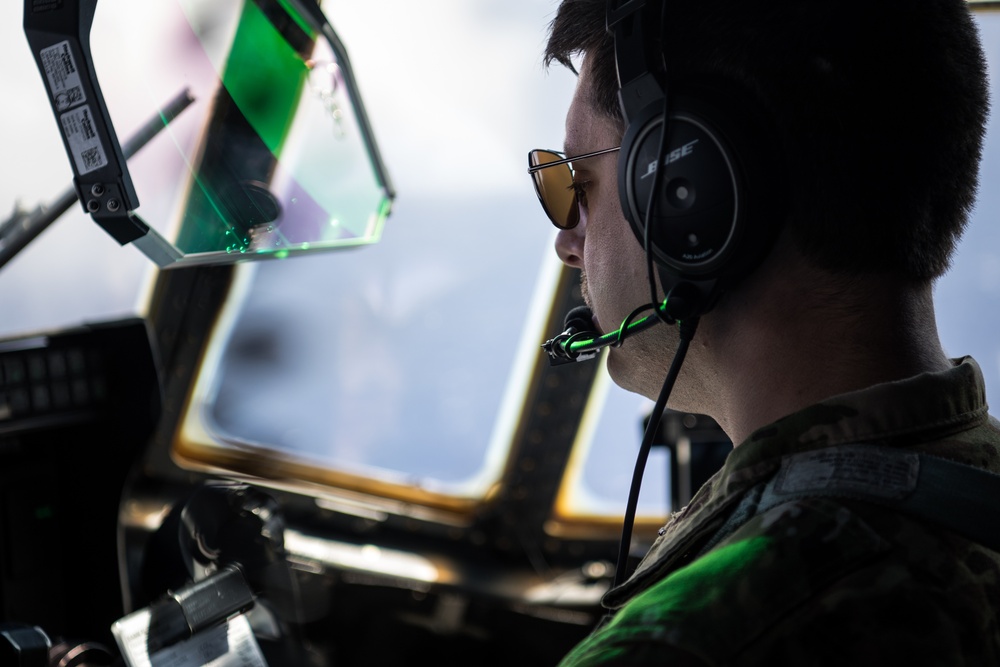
x,y
579,319
580,340
578,324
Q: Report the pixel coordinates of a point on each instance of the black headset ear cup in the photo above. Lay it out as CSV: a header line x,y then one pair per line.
x,y
718,207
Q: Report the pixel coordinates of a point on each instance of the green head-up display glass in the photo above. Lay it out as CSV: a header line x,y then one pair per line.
x,y
262,147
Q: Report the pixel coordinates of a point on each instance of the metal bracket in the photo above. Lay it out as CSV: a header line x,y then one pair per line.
x,y
58,33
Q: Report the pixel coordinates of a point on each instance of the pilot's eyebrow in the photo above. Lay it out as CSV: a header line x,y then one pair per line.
x,y
571,144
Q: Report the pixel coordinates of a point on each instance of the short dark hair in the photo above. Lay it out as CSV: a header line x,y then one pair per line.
x,y
882,107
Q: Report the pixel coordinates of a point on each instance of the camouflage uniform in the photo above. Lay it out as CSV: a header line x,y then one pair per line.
x,y
820,581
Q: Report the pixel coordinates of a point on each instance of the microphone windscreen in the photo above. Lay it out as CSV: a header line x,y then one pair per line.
x,y
580,319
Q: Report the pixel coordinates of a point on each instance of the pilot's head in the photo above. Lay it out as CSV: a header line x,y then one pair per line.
x,y
851,131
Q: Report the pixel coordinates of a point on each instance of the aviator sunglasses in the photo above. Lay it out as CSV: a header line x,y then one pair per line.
x,y
553,174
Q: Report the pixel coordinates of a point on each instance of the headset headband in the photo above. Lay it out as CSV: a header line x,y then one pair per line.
x,y
633,25
698,176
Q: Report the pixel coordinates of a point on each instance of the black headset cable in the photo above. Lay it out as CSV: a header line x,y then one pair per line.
x,y
687,328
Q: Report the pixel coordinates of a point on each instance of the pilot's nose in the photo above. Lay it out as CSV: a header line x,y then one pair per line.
x,y
569,245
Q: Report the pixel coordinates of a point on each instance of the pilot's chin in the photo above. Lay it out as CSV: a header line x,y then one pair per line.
x,y
618,369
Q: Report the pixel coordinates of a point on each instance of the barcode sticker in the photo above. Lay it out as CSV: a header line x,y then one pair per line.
x,y
84,144
64,78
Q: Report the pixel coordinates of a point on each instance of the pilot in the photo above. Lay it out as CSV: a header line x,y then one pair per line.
x,y
821,164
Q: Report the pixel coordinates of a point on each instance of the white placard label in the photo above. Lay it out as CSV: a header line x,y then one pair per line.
x,y
84,144
64,78
231,644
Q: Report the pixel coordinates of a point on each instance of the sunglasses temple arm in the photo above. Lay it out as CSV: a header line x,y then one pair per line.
x,y
538,167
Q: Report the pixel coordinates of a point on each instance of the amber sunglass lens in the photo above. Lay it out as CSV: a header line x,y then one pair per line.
x,y
555,189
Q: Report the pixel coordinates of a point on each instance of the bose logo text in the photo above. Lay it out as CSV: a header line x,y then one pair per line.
x,y
672,156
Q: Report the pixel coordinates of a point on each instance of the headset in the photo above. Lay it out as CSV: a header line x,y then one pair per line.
x,y
711,213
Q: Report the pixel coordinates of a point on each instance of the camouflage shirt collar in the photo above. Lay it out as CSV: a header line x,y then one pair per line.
x,y
896,414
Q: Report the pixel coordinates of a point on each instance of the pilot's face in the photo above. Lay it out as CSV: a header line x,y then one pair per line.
x,y
615,279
